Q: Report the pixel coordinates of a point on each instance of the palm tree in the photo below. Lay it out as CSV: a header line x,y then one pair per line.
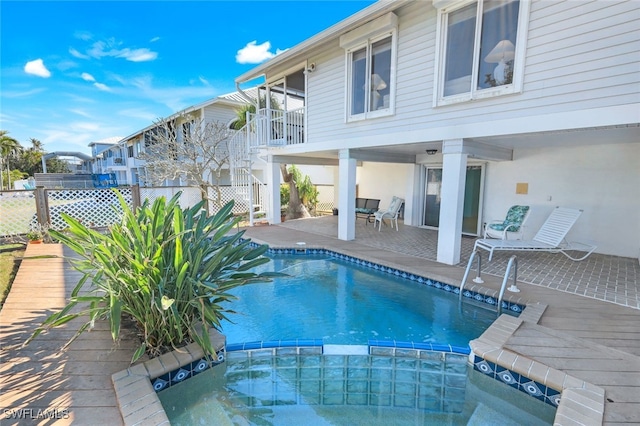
x,y
8,146
36,145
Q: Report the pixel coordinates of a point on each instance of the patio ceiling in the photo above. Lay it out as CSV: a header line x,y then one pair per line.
x,y
406,153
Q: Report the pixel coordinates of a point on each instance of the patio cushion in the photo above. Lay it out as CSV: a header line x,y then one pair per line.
x,y
514,218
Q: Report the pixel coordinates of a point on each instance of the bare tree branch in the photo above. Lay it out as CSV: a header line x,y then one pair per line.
x,y
188,148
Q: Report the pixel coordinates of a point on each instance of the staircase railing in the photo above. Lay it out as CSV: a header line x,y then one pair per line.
x,y
249,190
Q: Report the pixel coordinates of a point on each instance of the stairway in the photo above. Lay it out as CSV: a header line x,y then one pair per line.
x,y
249,190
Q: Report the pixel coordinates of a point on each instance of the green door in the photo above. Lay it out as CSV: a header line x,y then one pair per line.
x,y
472,192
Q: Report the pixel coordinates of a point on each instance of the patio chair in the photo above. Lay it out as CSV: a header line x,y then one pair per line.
x,y
390,213
512,227
549,238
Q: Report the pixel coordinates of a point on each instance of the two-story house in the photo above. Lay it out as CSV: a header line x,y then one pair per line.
x,y
464,108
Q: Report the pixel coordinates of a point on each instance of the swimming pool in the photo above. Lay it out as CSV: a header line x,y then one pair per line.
x,y
345,303
287,386
402,353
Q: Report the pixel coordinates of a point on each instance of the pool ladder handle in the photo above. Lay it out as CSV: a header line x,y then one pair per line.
x,y
513,260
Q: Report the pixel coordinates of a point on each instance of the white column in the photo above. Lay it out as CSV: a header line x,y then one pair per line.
x,y
454,172
347,197
411,207
273,183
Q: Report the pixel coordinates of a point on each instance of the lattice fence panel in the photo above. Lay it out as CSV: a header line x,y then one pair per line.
x,y
96,208
190,195
325,198
17,208
227,193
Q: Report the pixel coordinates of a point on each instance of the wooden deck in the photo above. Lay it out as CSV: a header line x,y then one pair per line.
x,y
594,340
40,384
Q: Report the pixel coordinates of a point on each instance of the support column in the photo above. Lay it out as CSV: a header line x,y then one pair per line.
x,y
273,183
411,208
346,197
454,172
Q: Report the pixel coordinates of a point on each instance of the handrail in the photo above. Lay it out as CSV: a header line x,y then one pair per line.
x,y
478,279
513,260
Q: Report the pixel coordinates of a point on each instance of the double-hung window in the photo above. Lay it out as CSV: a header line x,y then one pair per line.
x,y
481,50
370,65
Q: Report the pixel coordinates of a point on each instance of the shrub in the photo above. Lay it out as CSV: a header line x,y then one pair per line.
x,y
169,270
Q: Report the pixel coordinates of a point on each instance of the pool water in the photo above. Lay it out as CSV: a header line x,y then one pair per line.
x,y
284,387
350,373
344,303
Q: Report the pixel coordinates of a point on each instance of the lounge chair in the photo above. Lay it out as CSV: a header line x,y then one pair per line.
x,y
512,227
550,237
390,213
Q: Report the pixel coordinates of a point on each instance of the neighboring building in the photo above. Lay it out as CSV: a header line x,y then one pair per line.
x,y
123,158
464,109
101,152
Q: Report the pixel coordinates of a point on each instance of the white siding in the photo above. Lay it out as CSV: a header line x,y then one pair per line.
x,y
220,113
580,55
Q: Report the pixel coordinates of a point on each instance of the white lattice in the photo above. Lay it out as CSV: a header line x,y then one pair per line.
x,y
190,195
325,198
96,208
16,210
227,193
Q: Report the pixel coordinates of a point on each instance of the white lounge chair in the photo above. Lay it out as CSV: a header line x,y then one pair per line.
x,y
550,237
512,227
390,213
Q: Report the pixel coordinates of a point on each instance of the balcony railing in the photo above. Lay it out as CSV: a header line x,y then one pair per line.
x,y
274,127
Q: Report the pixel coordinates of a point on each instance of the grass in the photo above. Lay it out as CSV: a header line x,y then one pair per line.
x,y
10,258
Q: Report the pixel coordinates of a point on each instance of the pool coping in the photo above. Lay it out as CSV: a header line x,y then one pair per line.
x,y
581,402
135,395
139,404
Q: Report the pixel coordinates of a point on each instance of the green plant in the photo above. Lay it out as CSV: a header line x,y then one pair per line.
x,y
284,194
170,270
34,235
306,189
37,233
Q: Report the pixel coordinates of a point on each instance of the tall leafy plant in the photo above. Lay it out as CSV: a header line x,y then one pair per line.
x,y
169,270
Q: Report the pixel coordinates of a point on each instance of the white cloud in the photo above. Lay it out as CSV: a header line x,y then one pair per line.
x,y
254,53
203,80
87,77
174,98
81,112
77,54
111,48
83,35
102,87
138,113
137,55
153,40
37,67
21,94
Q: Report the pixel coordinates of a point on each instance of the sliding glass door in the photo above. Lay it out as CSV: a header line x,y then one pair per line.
x,y
472,197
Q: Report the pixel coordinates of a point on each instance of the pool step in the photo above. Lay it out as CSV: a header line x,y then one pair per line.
x,y
483,415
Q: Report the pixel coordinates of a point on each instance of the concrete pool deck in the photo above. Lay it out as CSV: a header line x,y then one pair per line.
x,y
590,339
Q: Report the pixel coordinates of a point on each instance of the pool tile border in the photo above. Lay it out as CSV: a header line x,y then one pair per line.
x,y
573,397
135,387
489,299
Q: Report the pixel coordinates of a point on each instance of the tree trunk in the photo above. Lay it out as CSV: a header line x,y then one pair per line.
x,y
204,194
296,209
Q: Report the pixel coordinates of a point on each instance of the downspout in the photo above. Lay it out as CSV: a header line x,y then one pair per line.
x,y
244,95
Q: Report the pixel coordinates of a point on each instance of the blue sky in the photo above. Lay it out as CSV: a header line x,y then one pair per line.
x,y
74,72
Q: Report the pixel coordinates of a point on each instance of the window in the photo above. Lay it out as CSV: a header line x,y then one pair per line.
x,y
370,63
371,78
130,151
480,50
